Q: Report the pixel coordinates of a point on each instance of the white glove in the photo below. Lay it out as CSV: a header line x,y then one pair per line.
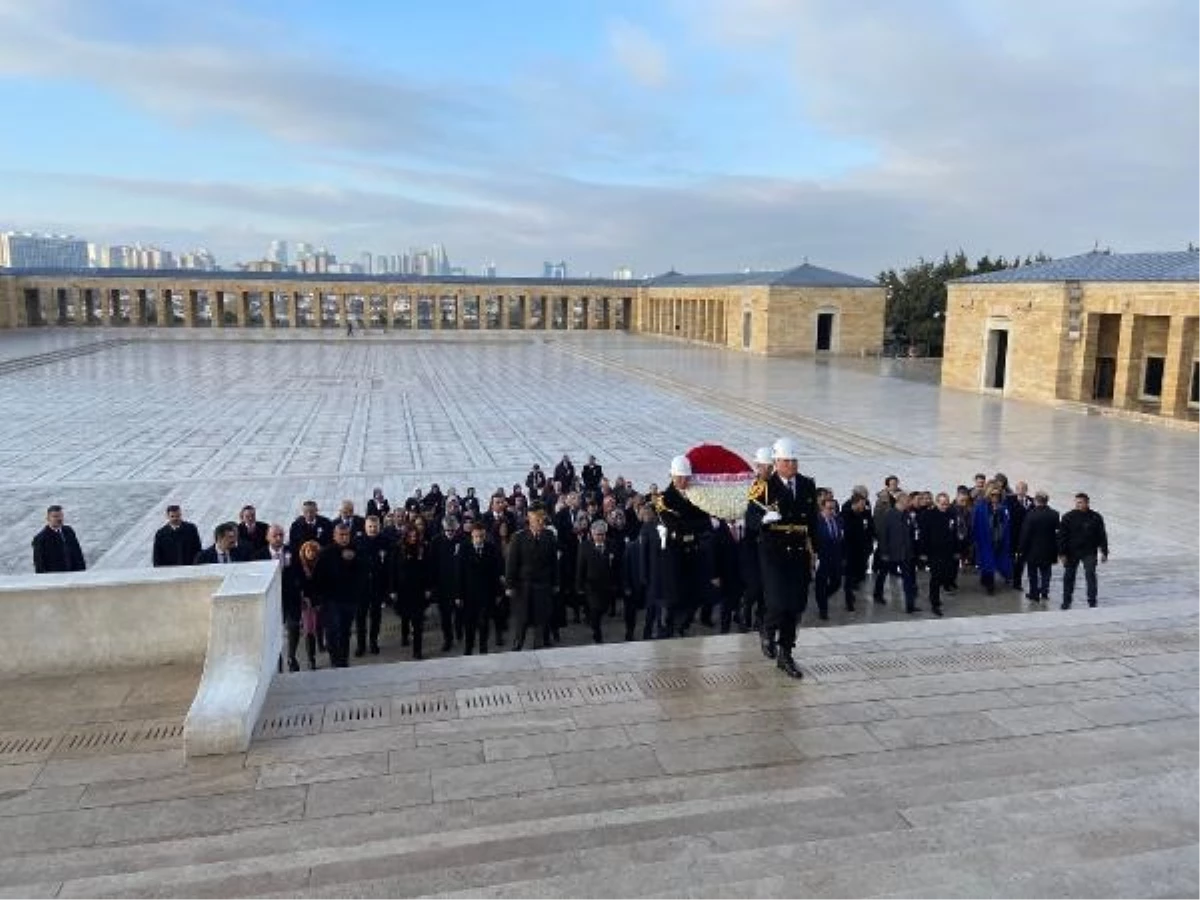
x,y
771,518
662,535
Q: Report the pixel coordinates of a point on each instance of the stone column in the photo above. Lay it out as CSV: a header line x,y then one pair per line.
x,y
110,305
162,309
505,315
243,308
216,308
1127,387
459,303
1177,371
138,304
190,306
343,310
268,309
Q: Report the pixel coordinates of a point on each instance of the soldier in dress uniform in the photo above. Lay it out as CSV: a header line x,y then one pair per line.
x,y
786,505
751,612
686,534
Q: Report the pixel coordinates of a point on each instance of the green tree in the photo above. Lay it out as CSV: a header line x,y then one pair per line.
x,y
916,298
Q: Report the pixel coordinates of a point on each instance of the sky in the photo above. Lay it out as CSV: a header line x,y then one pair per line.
x,y
700,135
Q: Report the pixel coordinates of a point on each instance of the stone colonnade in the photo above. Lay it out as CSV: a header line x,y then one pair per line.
x,y
286,304
703,319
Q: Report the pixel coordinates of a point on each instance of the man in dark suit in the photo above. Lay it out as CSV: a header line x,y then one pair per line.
x,y
224,548
1039,546
338,578
289,589
531,573
831,559
596,576
55,547
347,517
786,513
252,534
443,560
310,525
897,553
939,527
480,583
592,475
178,542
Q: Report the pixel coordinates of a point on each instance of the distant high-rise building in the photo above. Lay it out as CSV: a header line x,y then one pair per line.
x,y
203,260
278,252
21,250
622,273
367,261
441,261
554,270
382,266
489,269
304,251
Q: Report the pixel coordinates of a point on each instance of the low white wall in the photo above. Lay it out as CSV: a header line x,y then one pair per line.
x,y
228,616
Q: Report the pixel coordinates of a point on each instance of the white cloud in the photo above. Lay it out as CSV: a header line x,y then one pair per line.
x,y
643,59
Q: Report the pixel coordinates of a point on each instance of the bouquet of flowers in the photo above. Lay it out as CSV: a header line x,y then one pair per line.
x,y
720,481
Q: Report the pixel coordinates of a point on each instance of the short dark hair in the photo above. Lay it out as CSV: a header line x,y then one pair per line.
x,y
478,526
1082,496
174,507
309,503
249,506
223,529
53,508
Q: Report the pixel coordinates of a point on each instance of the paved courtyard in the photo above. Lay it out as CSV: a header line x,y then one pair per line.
x,y
114,427
1022,753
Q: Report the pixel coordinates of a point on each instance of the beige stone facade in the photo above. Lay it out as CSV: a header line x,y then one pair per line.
x,y
755,316
1123,345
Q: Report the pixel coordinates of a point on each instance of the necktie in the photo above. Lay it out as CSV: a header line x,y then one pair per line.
x,y
792,488
223,558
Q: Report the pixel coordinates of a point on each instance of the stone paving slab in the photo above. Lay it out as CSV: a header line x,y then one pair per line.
x,y
749,783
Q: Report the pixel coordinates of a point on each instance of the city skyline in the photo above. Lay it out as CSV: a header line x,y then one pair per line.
x,y
698,136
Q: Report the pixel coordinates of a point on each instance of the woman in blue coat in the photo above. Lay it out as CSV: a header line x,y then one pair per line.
x,y
993,538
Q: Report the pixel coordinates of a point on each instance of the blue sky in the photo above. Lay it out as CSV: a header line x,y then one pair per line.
x,y
704,134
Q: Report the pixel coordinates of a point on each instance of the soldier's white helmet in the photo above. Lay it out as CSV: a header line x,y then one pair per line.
x,y
681,465
785,448
762,456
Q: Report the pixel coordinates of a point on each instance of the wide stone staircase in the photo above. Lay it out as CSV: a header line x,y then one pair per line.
x,y
1011,755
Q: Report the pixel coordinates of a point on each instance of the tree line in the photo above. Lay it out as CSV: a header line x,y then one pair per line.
x,y
916,299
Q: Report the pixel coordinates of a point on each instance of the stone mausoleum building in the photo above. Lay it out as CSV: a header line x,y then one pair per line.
x,y
803,310
1112,330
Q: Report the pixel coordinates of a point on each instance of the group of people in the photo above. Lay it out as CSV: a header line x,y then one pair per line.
x,y
577,546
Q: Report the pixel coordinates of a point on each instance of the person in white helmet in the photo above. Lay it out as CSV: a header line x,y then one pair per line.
x,y
685,532
751,612
788,521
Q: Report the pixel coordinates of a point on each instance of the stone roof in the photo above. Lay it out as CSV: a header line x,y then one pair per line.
x,y
801,276
1179,265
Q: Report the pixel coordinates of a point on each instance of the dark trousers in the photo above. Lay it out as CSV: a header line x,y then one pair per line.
x,y
942,571
785,593
1089,574
631,604
908,577
652,626
445,607
368,617
728,604
596,621
826,583
1039,581
534,607
1018,569
475,622
338,618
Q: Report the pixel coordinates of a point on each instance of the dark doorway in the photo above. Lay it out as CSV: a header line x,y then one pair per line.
x,y
746,322
824,331
1105,378
33,307
997,358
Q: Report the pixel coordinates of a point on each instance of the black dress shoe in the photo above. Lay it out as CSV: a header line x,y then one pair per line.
x,y
849,607
788,666
360,652
293,665
915,609
880,601
937,611
1065,605
446,645
824,617
519,644
374,649
770,651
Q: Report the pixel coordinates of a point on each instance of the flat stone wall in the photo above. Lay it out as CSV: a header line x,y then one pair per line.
x,y
228,616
